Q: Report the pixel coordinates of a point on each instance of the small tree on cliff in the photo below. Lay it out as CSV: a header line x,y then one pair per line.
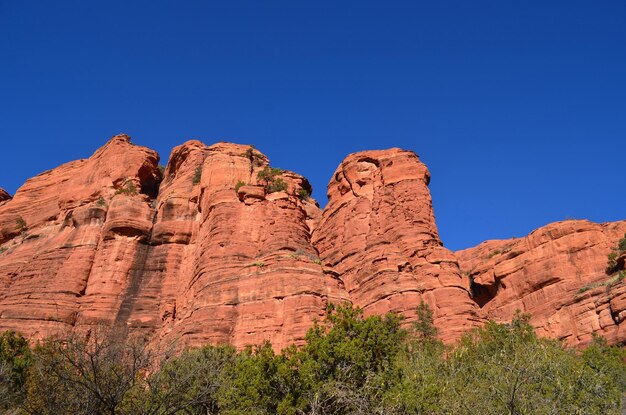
x,y
20,224
272,183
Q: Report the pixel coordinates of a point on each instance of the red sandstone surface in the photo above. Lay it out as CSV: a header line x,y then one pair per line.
x,y
558,274
181,256
378,234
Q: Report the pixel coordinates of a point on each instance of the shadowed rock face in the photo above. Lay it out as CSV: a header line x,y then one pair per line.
x,y
181,256
558,274
4,195
378,234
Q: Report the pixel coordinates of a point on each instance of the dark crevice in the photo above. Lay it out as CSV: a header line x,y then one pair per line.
x,y
483,293
369,160
150,179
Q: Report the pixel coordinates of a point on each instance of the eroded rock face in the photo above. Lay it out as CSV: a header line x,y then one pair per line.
x,y
378,234
558,274
69,237
4,195
184,259
250,273
204,252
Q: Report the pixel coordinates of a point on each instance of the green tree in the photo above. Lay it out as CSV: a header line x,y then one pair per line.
x,y
252,385
15,359
507,369
421,364
347,363
424,326
187,384
269,178
89,373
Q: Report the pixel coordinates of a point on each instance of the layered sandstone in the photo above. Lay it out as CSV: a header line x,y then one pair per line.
x,y
184,258
56,260
250,273
378,233
204,252
558,274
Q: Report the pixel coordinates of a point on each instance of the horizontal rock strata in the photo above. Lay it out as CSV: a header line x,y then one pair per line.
x,y
378,234
217,247
558,274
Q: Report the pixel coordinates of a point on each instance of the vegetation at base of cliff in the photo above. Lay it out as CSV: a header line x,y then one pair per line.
x,y
349,364
15,362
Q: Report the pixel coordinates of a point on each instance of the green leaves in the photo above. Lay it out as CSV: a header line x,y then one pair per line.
x,y
15,359
349,364
272,183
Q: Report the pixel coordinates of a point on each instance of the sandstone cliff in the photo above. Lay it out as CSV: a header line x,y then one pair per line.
x,y
558,274
183,257
378,234
205,251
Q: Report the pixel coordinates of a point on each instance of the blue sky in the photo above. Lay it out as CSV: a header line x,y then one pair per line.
x,y
518,108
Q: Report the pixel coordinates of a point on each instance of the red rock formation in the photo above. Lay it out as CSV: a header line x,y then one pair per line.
x,y
558,274
4,195
252,274
378,234
205,253
97,241
65,257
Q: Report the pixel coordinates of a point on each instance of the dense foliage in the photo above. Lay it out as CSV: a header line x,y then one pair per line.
x,y
348,364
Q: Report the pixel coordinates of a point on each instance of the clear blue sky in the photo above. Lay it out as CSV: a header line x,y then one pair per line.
x,y
518,108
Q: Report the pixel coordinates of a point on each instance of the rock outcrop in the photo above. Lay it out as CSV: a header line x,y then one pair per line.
x,y
4,195
558,274
207,250
182,258
66,253
378,234
250,272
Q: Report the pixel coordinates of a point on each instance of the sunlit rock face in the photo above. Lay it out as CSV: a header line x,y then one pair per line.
x,y
378,234
558,274
178,256
201,251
